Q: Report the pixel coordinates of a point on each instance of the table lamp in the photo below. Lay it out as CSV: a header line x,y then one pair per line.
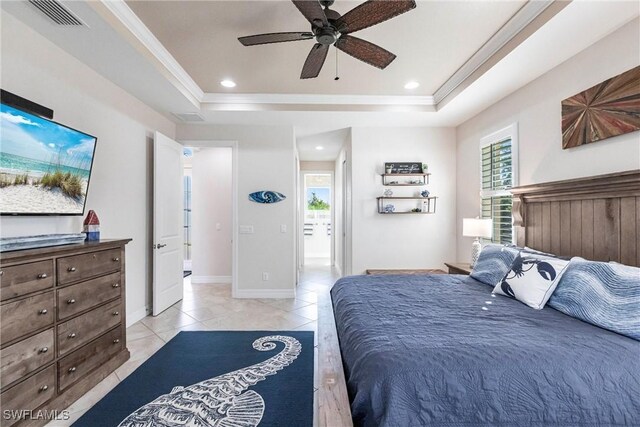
x,y
476,227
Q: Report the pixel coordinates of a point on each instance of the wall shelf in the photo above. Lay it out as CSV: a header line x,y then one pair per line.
x,y
428,204
423,181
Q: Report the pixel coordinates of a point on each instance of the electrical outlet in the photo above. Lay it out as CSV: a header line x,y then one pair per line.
x,y
265,276
218,226
283,228
246,229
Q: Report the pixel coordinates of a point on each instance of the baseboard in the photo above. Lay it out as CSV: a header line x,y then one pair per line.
x,y
137,316
264,293
211,279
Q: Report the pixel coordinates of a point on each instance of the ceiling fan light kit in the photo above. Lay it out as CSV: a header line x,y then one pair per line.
x,y
328,28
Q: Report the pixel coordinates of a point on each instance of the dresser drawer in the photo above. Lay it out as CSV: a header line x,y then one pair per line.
x,y
76,332
76,365
79,267
21,317
76,298
26,356
29,394
22,279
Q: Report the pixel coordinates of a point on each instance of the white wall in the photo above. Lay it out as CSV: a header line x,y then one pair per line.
x,y
317,166
266,161
402,241
537,110
120,188
211,215
347,268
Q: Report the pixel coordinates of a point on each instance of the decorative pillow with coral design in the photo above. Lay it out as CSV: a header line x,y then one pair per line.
x,y
532,279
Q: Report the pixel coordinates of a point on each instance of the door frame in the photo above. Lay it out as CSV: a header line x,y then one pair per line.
x,y
234,199
303,199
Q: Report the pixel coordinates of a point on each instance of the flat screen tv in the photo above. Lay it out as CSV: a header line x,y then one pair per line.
x,y
44,166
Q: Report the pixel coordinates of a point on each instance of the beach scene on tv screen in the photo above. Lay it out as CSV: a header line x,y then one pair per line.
x,y
44,167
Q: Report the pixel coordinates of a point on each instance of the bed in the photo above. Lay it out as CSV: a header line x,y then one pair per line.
x,y
440,350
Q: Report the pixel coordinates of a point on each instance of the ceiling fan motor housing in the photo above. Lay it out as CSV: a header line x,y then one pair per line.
x,y
326,36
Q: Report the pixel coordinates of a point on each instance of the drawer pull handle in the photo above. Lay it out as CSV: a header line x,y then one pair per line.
x,y
1,273
42,276
44,388
115,285
44,349
71,269
115,313
72,335
72,369
71,301
115,259
116,341
43,311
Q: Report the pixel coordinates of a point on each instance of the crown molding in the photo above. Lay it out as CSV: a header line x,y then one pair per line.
x,y
518,22
141,32
314,102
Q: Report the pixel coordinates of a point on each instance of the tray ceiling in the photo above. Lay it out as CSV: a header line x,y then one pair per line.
x,y
431,42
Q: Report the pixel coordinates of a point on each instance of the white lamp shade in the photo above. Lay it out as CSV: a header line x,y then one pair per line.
x,y
476,227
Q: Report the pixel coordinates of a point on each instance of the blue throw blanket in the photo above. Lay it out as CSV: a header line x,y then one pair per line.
x,y
439,350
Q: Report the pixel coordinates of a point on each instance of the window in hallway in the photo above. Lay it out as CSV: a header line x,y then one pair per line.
x,y
317,218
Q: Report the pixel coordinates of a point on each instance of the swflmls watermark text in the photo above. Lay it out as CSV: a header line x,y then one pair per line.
x,y
27,414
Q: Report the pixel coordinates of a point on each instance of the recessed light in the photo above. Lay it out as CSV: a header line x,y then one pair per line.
x,y
411,85
319,147
228,83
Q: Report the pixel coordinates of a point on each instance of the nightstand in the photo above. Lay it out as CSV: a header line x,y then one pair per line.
x,y
459,267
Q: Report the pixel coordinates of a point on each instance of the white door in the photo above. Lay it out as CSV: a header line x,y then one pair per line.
x,y
168,234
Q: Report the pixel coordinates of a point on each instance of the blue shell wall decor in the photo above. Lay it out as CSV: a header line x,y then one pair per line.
x,y
267,197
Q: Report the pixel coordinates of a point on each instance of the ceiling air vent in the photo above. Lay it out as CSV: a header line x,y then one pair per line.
x,y
56,12
189,117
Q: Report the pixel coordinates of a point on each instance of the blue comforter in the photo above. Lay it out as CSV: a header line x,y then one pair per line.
x,y
439,350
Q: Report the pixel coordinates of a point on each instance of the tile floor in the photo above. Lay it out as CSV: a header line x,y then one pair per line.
x,y
210,307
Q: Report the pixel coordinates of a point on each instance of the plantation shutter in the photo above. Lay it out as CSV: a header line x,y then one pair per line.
x,y
497,180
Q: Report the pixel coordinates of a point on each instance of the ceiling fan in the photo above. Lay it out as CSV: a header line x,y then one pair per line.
x,y
329,27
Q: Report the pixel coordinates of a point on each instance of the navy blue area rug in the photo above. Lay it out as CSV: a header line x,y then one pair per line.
x,y
217,378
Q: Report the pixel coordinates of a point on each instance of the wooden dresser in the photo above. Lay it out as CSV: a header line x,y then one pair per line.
x,y
62,324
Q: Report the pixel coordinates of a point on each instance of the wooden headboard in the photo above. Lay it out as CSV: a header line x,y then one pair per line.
x,y
597,218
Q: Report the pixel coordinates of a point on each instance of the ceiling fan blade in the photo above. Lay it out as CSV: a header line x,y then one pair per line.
x,y
274,38
315,61
312,10
365,51
372,12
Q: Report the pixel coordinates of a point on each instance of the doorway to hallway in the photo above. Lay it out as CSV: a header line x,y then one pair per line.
x,y
208,214
317,224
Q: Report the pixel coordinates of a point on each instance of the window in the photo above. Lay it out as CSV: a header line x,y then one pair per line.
x,y
498,166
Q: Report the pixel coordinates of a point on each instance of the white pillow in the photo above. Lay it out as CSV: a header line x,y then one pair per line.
x,y
532,279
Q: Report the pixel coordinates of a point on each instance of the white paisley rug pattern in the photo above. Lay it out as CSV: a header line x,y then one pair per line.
x,y
222,401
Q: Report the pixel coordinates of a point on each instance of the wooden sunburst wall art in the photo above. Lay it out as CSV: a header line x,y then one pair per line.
x,y
607,109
